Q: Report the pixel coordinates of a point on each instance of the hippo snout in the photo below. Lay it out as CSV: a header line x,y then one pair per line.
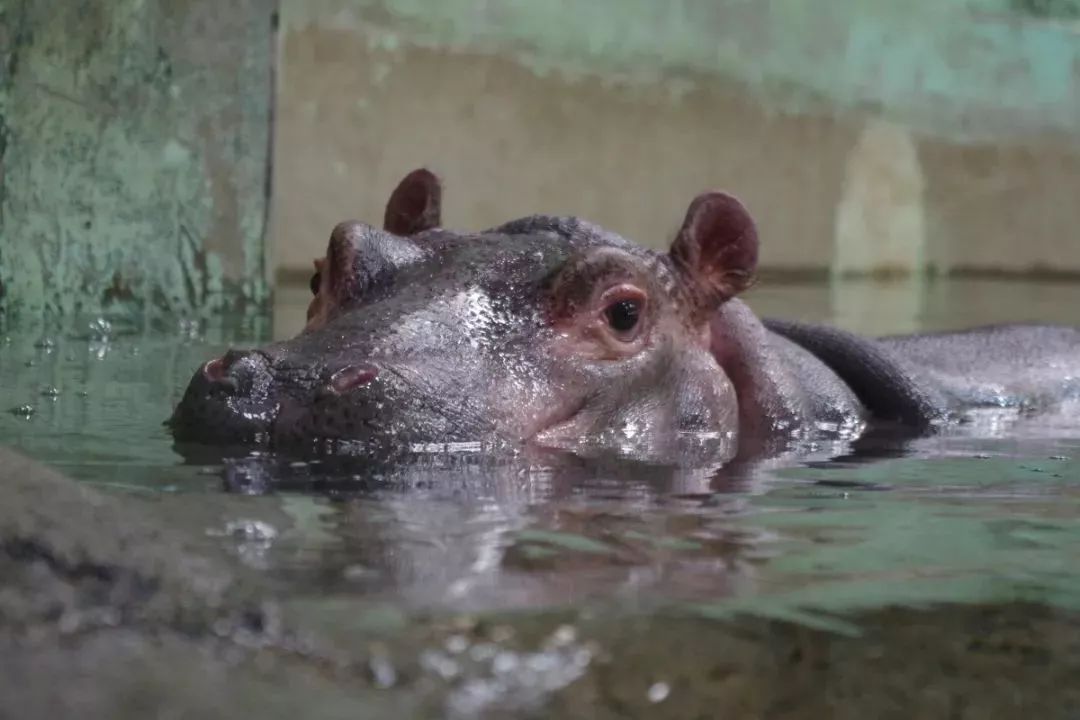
x,y
229,398
237,371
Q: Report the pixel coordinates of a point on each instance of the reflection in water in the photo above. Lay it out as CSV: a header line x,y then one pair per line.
x,y
604,576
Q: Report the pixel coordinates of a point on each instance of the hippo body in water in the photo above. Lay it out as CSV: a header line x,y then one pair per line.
x,y
553,332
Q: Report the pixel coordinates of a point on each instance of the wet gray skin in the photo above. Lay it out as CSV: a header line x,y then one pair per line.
x,y
553,332
544,330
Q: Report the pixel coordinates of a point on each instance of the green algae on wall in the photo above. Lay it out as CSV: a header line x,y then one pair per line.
x,y
134,141
972,70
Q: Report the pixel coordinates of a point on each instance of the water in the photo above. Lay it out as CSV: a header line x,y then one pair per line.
x,y
877,577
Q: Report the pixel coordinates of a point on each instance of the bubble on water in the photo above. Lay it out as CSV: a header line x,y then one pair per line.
x,y
443,448
253,539
564,635
514,680
658,692
248,476
456,644
100,328
439,664
25,411
505,662
250,530
382,671
482,652
189,328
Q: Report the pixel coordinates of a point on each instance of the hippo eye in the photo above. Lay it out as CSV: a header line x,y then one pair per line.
x,y
623,315
316,281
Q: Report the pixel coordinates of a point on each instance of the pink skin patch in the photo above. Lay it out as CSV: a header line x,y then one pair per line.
x,y
215,370
352,377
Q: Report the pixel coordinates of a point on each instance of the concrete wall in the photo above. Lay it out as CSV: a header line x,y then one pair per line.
x,y
866,139
134,149
869,137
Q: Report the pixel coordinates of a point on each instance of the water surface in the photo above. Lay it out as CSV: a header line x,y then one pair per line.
x,y
891,570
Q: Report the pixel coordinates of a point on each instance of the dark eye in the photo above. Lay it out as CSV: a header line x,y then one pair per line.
x,y
316,281
623,316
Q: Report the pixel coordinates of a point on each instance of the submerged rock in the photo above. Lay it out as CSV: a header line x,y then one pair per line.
x,y
106,611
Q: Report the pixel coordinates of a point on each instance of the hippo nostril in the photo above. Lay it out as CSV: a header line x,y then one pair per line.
x,y
234,369
353,376
215,370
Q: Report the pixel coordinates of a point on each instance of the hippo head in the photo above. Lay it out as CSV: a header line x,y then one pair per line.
x,y
545,331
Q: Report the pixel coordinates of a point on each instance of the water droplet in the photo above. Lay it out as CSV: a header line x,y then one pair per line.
x,y
250,530
439,664
382,671
563,635
457,644
247,477
483,652
658,692
505,662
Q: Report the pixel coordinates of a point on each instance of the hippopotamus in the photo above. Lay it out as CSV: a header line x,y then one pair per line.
x,y
554,332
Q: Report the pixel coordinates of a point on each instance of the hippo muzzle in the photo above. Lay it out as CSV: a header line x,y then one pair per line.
x,y
229,399
544,330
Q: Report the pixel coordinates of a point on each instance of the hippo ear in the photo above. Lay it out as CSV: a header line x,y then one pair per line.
x,y
415,205
717,247
337,272
358,257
